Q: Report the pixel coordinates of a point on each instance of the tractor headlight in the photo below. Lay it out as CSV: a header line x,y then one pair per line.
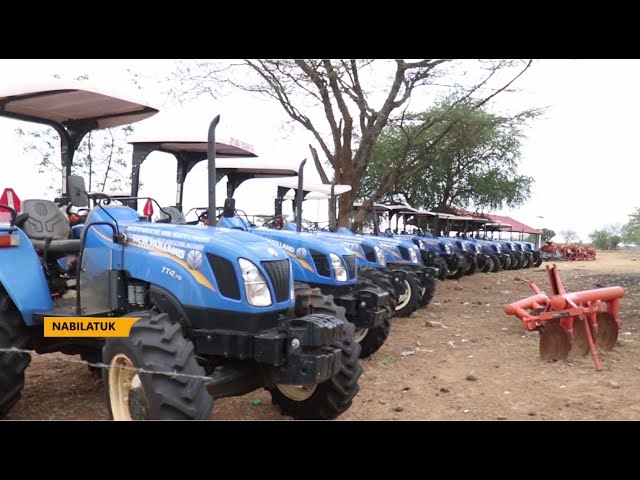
x,y
447,248
339,271
463,247
477,247
255,286
498,248
380,256
422,245
413,255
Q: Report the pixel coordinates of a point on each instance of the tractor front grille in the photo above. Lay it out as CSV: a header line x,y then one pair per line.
x,y
278,271
225,276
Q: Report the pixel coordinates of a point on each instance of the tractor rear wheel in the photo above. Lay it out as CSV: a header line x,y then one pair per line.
x,y
13,334
153,374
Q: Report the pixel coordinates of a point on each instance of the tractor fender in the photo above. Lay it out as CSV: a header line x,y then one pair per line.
x,y
22,276
167,303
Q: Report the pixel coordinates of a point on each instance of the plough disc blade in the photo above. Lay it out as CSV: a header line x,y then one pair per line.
x,y
555,342
607,331
580,344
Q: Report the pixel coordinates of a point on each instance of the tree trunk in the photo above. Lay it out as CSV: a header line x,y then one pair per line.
x,y
345,176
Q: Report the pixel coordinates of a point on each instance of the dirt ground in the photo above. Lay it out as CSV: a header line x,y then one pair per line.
x,y
480,364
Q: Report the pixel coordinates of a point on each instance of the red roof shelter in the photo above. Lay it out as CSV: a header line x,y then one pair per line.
x,y
516,226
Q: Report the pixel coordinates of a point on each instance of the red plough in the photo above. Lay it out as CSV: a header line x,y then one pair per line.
x,y
570,323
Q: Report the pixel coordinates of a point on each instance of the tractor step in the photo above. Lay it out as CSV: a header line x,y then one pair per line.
x,y
64,307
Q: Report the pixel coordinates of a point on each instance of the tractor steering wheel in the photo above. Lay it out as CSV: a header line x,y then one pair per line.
x,y
204,217
276,222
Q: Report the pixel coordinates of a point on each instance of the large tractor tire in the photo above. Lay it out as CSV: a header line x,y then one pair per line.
x,y
496,264
443,270
311,300
409,302
429,291
489,265
371,339
329,399
153,374
381,279
13,334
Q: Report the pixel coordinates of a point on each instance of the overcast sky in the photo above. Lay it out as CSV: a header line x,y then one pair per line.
x,y
582,153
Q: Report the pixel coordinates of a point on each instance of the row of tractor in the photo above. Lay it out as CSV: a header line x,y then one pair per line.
x,y
222,307
457,245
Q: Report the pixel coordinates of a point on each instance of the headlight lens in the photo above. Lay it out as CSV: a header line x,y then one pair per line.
x,y
255,286
447,248
413,255
339,271
380,256
463,247
422,245
478,250
498,248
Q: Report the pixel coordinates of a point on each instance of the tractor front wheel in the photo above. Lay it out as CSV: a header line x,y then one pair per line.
x,y
329,399
153,374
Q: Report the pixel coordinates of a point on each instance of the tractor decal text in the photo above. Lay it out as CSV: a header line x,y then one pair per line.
x,y
88,326
169,234
292,253
166,245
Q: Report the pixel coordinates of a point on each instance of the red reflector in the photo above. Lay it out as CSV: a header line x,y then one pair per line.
x,y
148,208
9,240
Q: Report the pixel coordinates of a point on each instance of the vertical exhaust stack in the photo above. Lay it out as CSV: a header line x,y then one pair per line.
x,y
299,196
211,159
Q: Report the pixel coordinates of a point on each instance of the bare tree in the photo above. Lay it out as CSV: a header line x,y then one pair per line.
x,y
570,236
357,99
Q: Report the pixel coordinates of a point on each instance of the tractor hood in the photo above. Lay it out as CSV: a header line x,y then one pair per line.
x,y
179,239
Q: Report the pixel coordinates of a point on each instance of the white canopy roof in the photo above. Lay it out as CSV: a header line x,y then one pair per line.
x,y
317,188
189,142
63,102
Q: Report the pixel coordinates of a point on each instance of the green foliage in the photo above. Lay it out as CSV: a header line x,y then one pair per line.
x,y
607,238
467,157
103,157
547,234
631,230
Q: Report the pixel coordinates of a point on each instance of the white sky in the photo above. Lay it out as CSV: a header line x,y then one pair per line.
x,y
582,153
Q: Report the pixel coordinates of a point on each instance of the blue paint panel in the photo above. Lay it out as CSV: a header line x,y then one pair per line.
x,y
22,276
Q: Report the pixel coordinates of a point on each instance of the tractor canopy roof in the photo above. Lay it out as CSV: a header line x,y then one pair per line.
x,y
177,142
234,155
321,190
72,104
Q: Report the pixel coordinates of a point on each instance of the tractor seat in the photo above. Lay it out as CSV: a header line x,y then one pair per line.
x,y
175,216
44,223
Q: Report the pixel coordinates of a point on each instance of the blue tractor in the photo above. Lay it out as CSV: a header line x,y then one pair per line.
x,y
324,272
370,255
214,306
420,280
437,253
